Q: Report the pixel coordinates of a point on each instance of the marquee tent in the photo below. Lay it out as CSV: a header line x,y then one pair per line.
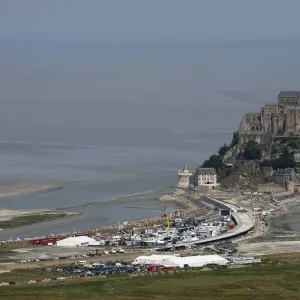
x,y
76,241
177,261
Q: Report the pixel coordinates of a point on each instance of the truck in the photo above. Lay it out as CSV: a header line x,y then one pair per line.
x,y
95,252
232,251
159,268
231,225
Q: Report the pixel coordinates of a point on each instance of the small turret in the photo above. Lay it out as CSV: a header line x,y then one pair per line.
x,y
184,178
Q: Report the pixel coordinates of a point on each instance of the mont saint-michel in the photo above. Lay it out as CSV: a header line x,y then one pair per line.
x,y
264,153
278,119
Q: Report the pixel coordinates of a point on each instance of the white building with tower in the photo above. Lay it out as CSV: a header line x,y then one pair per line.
x,y
184,178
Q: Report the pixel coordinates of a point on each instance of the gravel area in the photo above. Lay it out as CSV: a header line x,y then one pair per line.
x,y
255,249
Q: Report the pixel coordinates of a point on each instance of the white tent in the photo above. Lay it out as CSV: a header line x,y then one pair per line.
x,y
152,259
195,261
177,261
76,241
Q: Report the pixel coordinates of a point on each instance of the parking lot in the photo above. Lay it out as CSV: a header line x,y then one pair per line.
x,y
41,264
73,272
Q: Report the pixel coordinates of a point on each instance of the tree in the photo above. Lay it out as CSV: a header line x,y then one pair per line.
x,y
235,139
252,151
223,150
214,161
224,171
286,160
240,156
285,153
274,150
294,144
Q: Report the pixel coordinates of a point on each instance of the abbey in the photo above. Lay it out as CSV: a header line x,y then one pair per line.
x,y
279,119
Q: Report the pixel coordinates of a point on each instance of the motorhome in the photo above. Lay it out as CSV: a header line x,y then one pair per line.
x,y
113,251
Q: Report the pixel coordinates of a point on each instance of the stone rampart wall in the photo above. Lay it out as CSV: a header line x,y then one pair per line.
x,y
270,188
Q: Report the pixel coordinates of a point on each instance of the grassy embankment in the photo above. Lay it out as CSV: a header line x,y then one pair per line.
x,y
28,274
7,253
30,219
277,278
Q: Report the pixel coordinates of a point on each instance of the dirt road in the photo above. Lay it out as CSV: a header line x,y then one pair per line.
x,y
105,258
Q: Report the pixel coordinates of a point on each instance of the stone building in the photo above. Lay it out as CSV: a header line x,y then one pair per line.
x,y
273,120
184,178
297,156
284,176
290,186
206,179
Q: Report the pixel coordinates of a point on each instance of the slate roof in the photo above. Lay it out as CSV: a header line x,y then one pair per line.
x,y
270,106
289,94
206,171
285,172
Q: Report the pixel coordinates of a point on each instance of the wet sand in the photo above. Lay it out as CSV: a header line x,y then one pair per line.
x,y
264,248
181,199
10,189
94,214
275,232
289,220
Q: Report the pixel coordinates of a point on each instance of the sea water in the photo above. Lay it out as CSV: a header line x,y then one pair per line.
x,y
115,120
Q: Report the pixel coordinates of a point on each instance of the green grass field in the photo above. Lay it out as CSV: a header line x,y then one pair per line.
x,y
29,220
28,274
277,279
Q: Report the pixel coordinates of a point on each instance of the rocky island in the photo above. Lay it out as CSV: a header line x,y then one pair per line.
x,y
265,151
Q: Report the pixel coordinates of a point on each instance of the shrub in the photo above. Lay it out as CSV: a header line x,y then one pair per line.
x,y
235,139
223,150
252,151
286,160
214,161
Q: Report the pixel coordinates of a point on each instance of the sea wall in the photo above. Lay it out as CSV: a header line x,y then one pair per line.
x,y
270,188
268,172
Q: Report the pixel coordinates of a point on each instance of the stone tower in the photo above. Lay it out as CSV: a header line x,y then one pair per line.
x,y
184,178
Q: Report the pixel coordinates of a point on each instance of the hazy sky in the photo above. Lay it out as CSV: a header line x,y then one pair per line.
x,y
152,19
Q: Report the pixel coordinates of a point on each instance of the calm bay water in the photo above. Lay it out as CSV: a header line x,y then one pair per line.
x,y
121,119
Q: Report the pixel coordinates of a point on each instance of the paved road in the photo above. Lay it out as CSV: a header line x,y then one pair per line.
x,y
244,224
